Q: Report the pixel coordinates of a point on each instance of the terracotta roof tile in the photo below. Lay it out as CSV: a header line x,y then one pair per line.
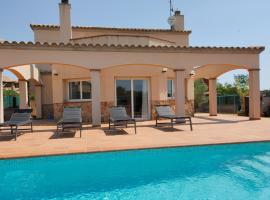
x,y
76,46
56,27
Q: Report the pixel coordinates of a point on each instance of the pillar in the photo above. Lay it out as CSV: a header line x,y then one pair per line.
x,y
190,95
1,97
38,101
23,90
96,98
190,89
254,94
213,97
57,92
159,92
180,92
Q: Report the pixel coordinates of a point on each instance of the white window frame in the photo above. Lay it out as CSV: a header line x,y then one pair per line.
x,y
173,88
78,100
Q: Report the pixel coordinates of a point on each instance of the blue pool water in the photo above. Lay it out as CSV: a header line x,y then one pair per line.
x,y
206,172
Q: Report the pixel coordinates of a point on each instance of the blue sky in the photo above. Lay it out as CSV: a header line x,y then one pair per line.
x,y
213,22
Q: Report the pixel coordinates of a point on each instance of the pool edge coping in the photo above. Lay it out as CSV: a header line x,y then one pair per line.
x,y
130,149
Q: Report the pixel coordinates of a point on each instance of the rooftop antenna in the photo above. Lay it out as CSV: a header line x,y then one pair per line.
x,y
171,19
171,8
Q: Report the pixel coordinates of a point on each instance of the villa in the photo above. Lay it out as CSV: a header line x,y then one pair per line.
x,y
98,67
75,72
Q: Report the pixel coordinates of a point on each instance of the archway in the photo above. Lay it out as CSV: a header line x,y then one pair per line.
x,y
43,83
26,76
211,74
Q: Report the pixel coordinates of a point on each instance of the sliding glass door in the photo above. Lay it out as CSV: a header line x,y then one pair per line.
x,y
134,95
123,93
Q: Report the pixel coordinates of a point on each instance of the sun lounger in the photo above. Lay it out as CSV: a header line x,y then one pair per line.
x,y
166,112
19,118
118,117
72,118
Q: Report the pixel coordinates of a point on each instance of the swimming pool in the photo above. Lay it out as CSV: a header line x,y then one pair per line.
x,y
239,171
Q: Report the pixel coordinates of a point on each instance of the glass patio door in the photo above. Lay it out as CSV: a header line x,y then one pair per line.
x,y
134,96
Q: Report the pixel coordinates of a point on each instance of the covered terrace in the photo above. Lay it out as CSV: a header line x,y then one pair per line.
x,y
208,62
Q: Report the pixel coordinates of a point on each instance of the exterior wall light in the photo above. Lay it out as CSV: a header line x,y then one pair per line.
x,y
55,73
164,69
192,73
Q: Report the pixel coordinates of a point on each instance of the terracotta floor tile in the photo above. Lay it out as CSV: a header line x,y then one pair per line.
x,y
207,130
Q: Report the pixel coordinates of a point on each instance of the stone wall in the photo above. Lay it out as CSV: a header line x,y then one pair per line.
x,y
105,110
57,109
47,111
86,109
189,106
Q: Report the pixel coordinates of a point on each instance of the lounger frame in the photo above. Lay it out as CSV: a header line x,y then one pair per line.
x,y
172,117
118,117
21,117
72,119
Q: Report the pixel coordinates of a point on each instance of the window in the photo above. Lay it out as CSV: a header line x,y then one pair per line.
x,y
79,90
170,88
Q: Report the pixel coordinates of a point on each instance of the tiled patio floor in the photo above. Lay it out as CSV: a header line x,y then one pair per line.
x,y
207,130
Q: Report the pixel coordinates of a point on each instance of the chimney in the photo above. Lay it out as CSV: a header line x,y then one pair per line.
x,y
179,23
65,21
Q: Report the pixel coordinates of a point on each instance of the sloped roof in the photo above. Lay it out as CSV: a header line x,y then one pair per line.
x,y
57,27
174,48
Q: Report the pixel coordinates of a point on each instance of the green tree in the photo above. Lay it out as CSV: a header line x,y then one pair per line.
x,y
10,93
241,84
226,89
200,88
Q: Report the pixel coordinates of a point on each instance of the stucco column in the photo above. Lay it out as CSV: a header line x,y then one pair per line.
x,y
213,97
96,98
38,101
180,92
159,88
190,88
254,94
190,95
23,90
57,94
1,97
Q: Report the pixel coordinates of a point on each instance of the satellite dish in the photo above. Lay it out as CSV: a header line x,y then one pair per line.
x,y
171,20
